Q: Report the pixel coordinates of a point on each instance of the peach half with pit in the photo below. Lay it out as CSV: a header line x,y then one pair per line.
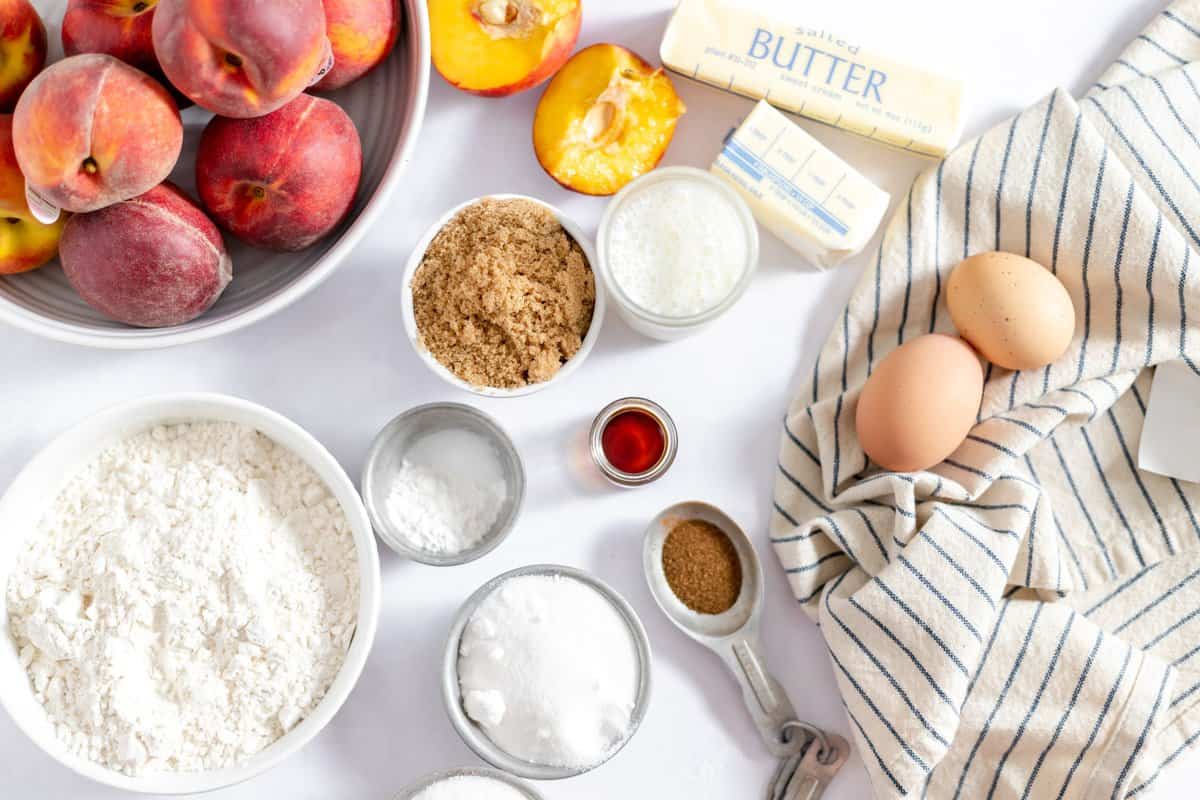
x,y
500,47
91,131
22,49
361,33
239,58
152,261
25,243
606,118
281,181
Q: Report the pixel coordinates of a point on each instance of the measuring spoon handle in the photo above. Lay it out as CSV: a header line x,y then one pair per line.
x,y
766,700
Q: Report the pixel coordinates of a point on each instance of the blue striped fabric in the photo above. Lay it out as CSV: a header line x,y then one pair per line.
x,y
1022,620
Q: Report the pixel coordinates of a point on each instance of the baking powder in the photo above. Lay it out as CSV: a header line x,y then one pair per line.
x,y
188,599
448,492
549,669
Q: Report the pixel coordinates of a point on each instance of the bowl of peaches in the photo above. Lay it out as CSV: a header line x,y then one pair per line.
x,y
172,170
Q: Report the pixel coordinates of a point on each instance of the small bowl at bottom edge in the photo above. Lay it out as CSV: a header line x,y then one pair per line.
x,y
411,791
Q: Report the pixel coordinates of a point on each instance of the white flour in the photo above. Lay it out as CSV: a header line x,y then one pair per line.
x,y
549,670
448,492
471,787
188,599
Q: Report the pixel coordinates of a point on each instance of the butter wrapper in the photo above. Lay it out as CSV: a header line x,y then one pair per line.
x,y
816,74
799,190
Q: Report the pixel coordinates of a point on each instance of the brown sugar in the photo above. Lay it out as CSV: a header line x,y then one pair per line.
x,y
702,566
504,295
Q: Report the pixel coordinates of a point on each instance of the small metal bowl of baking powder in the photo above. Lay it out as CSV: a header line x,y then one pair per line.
x,y
424,783
386,458
475,737
666,425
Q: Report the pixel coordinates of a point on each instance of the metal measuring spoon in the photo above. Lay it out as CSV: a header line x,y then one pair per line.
x,y
734,636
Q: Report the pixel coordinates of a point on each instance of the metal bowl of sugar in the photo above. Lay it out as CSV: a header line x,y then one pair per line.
x,y
474,735
485,782
443,484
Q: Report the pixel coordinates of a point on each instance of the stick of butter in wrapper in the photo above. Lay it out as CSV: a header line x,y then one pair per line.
x,y
798,190
815,74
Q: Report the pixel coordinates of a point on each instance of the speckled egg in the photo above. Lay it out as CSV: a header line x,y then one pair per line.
x,y
1014,311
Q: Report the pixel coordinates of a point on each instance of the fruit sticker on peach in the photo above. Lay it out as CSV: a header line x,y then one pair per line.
x,y
326,65
42,209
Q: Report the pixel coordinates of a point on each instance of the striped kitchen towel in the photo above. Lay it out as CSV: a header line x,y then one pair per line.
x,y
1022,620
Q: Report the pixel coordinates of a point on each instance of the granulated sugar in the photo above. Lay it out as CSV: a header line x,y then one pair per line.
x,y
188,598
470,787
549,669
677,247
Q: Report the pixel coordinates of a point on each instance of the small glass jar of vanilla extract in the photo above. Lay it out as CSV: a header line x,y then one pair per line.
x,y
633,441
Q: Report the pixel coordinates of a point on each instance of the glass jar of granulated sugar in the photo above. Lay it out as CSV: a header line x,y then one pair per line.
x,y
677,248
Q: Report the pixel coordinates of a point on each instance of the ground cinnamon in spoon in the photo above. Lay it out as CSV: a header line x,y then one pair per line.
x,y
702,566
504,295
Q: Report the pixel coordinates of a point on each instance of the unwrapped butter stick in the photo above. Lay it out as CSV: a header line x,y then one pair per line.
x,y
816,74
798,190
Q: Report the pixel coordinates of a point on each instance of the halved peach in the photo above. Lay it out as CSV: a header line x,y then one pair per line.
x,y
606,118
500,47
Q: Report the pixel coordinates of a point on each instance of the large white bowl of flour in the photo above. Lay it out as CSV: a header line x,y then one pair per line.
x,y
248,644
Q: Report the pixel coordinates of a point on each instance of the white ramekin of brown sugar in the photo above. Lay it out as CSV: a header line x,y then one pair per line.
x,y
412,326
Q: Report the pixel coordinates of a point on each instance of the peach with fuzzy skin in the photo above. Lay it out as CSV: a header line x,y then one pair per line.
x,y
25,243
496,48
22,49
237,58
281,181
362,33
120,28
152,261
91,131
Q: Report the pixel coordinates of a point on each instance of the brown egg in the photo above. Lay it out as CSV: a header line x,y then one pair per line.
x,y
1014,311
920,403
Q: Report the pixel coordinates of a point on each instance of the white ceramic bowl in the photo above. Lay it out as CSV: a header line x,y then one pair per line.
x,y
43,478
410,320
387,105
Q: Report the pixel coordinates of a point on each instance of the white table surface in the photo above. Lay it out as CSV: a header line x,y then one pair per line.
x,y
338,363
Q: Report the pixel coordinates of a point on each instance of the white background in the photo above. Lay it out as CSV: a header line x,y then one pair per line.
x,y
338,363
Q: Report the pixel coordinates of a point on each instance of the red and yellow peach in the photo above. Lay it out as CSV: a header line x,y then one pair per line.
x,y
22,49
152,261
241,59
361,33
284,180
25,243
91,131
120,28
